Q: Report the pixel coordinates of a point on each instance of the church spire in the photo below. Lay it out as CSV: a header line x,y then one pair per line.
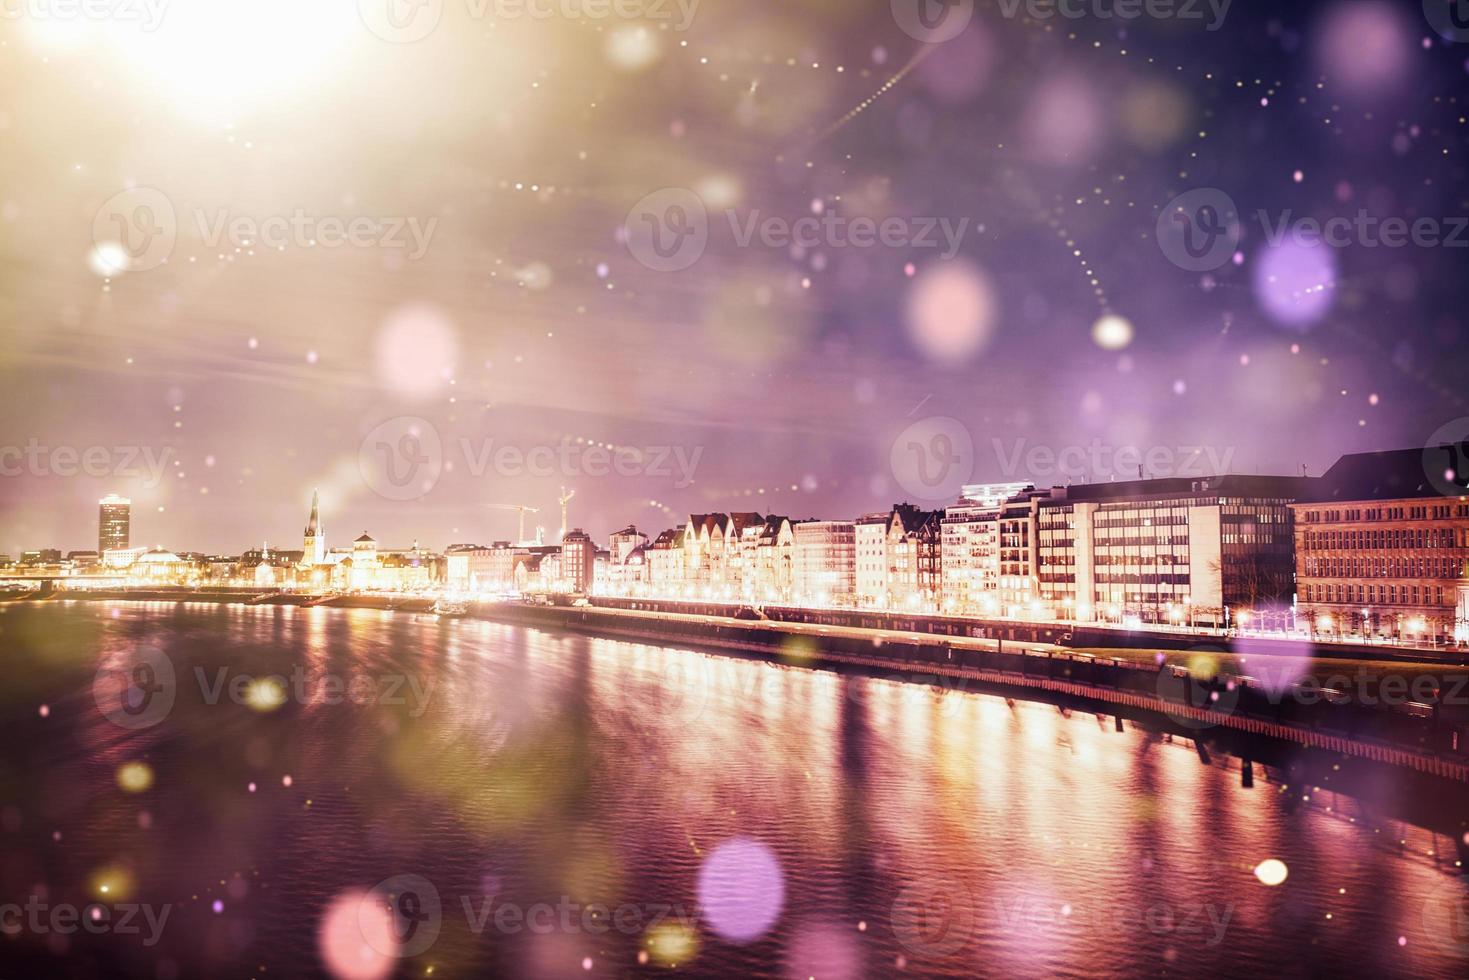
x,y
315,550
313,526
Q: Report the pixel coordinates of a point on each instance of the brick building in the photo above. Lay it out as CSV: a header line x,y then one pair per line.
x,y
1381,552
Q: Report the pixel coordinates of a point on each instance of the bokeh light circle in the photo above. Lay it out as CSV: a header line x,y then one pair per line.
x,y
1112,332
741,889
1295,281
952,311
1272,872
353,931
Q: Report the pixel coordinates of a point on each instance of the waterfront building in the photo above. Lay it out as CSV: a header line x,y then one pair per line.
x,y
824,565
1018,580
666,563
970,549
578,560
773,563
742,543
914,542
628,576
624,570
81,562
114,523
367,567
897,558
160,567
473,568
1380,551
121,557
1173,550
713,564
623,543
870,548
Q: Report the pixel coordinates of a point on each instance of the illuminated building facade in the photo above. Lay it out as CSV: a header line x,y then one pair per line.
x,y
114,523
1169,550
1380,551
578,560
824,566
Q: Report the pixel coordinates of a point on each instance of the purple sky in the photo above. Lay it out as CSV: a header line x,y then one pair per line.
x,y
528,320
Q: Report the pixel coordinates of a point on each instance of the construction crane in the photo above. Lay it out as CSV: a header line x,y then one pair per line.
x,y
523,509
566,496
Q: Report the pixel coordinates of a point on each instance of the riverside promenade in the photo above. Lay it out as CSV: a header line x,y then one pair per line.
x,y
1225,691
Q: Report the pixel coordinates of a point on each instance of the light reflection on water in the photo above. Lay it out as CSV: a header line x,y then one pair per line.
x,y
941,832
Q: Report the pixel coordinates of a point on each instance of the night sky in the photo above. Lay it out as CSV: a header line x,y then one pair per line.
x,y
783,374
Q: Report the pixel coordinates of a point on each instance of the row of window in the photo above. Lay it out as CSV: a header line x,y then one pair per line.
x,y
1400,538
1379,595
1382,567
1425,512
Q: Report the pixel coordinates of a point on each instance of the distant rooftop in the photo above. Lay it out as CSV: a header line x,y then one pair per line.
x,y
1389,474
1230,484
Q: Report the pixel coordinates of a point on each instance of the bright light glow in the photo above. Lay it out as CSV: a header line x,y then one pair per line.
x,y
632,48
108,260
1272,872
1112,332
217,59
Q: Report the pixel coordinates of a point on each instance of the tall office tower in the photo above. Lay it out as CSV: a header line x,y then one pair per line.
x,y
114,522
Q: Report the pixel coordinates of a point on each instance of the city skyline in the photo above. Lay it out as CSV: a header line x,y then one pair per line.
x,y
1195,464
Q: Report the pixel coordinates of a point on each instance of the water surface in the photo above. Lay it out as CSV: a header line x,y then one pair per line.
x,y
538,805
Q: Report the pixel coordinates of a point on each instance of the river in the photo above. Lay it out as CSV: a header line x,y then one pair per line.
x,y
195,790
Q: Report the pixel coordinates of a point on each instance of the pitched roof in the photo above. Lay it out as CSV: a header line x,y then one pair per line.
x,y
1386,475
